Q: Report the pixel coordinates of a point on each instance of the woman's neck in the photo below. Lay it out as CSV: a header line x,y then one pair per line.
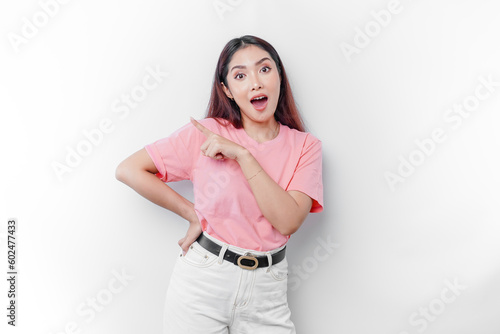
x,y
262,132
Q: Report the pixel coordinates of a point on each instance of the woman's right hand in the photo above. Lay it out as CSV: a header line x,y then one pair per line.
x,y
192,234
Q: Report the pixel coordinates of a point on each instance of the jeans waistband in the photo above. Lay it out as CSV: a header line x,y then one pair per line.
x,y
240,250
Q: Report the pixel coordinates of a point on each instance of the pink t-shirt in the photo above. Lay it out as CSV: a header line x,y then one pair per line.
x,y
223,200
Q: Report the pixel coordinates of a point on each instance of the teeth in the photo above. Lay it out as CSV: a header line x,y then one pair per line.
x,y
259,98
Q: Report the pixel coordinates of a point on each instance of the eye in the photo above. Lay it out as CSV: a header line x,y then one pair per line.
x,y
239,76
266,68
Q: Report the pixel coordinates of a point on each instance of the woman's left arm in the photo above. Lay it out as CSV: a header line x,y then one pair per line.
x,y
285,210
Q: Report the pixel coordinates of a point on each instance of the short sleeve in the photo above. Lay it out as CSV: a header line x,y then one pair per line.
x,y
175,155
307,177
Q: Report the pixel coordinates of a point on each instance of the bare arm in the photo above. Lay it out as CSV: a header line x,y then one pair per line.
x,y
285,210
138,172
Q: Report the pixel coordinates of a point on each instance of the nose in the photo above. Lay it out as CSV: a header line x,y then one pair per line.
x,y
256,84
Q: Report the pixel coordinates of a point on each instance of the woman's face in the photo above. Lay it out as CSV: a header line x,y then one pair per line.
x,y
253,73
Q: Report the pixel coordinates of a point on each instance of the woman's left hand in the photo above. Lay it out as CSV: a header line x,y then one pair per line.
x,y
216,146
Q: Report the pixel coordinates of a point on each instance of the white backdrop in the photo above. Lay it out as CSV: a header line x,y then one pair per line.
x,y
403,94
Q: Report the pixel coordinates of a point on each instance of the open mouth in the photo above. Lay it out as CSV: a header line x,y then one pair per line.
x,y
259,102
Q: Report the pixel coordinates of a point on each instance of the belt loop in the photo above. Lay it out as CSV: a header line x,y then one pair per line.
x,y
269,261
222,253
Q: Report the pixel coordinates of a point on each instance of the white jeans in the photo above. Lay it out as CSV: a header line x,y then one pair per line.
x,y
209,295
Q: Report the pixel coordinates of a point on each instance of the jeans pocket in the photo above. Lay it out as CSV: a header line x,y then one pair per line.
x,y
279,271
198,256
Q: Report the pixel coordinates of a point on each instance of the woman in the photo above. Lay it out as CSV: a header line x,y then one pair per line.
x,y
256,175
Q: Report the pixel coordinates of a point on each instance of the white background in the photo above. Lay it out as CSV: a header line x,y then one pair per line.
x,y
394,248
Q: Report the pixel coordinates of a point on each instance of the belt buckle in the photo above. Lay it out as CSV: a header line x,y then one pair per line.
x,y
248,257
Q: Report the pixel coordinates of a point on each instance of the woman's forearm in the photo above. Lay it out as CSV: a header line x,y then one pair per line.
x,y
152,188
276,204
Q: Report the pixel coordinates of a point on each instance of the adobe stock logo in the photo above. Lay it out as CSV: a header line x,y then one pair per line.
x,y
31,28
310,264
122,107
223,6
454,116
373,28
97,303
437,306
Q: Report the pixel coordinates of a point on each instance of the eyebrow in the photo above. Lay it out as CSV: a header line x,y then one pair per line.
x,y
257,63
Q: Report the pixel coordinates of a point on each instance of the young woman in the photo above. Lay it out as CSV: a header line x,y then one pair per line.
x,y
256,175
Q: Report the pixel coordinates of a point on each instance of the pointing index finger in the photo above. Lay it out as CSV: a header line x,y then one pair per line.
x,y
200,127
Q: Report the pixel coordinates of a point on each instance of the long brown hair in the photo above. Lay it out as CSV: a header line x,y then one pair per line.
x,y
220,106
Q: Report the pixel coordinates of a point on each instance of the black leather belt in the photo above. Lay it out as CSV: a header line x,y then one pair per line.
x,y
247,261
